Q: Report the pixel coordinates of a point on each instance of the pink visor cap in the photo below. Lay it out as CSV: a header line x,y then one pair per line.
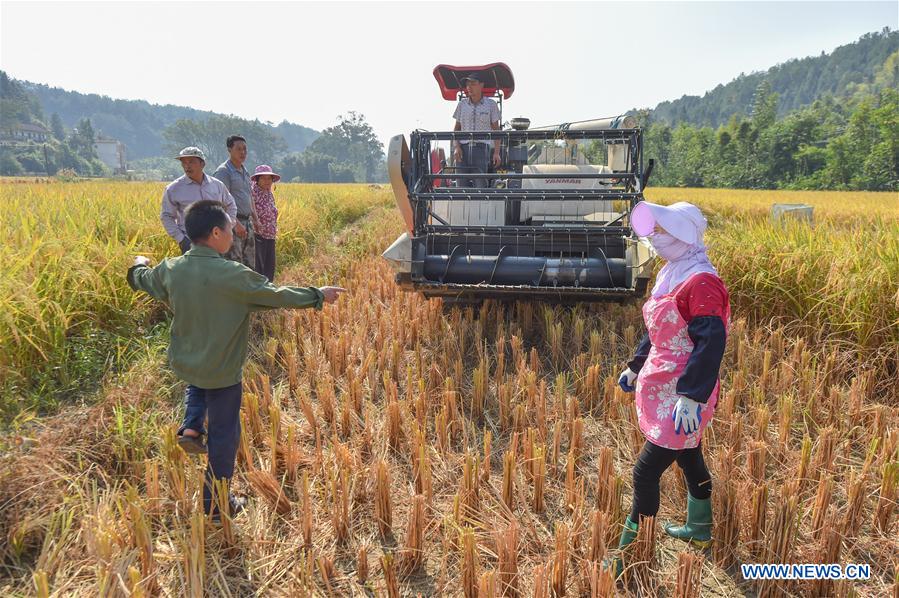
x,y
682,220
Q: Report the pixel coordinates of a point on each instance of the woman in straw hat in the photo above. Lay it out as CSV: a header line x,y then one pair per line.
x,y
261,187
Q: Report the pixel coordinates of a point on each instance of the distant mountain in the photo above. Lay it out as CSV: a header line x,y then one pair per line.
x,y
137,123
798,82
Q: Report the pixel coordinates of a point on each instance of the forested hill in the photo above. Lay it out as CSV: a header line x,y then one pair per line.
x,y
799,82
137,123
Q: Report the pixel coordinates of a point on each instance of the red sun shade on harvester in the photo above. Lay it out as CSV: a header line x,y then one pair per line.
x,y
496,76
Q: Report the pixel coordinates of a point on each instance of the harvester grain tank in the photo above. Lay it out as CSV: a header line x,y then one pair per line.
x,y
552,222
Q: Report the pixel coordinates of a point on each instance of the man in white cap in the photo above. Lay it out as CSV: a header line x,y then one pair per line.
x,y
475,113
192,187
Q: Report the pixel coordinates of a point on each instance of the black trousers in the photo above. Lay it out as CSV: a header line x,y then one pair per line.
x,y
652,463
475,160
265,257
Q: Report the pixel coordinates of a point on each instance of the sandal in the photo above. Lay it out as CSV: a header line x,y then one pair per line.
x,y
192,445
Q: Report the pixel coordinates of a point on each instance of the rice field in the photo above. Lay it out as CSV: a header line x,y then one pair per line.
x,y
395,448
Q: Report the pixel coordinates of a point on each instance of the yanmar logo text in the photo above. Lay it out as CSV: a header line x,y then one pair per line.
x,y
566,181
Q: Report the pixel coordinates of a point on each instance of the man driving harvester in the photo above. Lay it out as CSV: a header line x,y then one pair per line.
x,y
475,113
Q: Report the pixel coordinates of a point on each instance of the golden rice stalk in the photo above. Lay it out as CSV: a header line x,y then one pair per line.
x,y
442,431
855,503
271,491
306,407
599,532
823,457
479,390
346,420
727,522
41,583
393,425
469,490
780,537
293,376
689,575
175,467
135,589
605,473
507,560
590,387
821,506
540,581
887,498
470,565
559,570
487,585
519,418
602,580
539,472
571,481
194,554
641,557
307,512
362,564
755,460
786,421
485,462
274,435
421,468
141,537
151,486
251,408
509,479
412,554
221,495
500,370
557,445
505,391
829,552
325,395
804,461
327,571
244,453
383,504
757,521
291,452
340,504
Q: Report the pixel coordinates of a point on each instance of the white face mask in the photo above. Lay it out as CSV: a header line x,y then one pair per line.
x,y
668,248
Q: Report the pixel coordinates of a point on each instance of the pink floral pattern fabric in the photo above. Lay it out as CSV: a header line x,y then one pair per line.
x,y
266,212
656,384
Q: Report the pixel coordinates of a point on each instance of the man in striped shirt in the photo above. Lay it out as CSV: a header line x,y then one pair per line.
x,y
475,113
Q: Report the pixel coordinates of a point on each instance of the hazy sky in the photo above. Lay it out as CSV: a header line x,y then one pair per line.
x,y
309,62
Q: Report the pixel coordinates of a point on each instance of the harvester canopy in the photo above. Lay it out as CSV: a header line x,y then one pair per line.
x,y
496,77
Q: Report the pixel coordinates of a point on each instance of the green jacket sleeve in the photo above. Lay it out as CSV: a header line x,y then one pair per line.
x,y
148,280
259,294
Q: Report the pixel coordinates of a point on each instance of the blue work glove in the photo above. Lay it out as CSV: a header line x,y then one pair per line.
x,y
686,415
627,379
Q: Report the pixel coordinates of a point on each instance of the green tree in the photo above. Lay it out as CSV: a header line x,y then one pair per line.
x,y
82,140
59,132
264,146
353,141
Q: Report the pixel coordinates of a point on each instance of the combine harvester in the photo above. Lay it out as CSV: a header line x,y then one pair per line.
x,y
552,222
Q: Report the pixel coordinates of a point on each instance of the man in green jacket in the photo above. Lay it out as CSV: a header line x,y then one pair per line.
x,y
212,298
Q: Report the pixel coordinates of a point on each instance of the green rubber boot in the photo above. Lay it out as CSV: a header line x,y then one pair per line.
x,y
628,535
698,528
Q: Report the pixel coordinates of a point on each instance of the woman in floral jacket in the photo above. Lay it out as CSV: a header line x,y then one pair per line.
x,y
675,368
263,181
